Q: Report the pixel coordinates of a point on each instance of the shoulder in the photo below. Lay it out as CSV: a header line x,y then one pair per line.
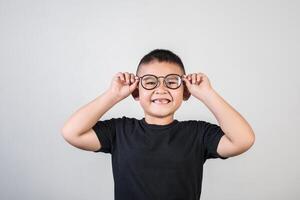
x,y
192,123
121,119
199,126
125,121
197,123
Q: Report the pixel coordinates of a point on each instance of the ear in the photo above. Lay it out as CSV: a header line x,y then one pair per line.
x,y
135,93
186,93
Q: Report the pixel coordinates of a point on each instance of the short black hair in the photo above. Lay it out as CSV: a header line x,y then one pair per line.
x,y
161,55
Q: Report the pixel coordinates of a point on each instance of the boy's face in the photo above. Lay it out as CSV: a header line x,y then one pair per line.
x,y
146,97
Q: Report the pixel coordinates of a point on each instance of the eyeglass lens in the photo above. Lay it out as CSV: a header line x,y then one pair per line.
x,y
171,81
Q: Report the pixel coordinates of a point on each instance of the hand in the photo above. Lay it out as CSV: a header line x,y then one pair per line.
x,y
123,84
198,84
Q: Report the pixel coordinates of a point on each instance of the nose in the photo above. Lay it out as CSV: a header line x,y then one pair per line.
x,y
160,86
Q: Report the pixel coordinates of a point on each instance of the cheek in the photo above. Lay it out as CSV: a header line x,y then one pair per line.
x,y
144,96
178,95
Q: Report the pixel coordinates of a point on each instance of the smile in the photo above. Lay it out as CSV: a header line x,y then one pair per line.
x,y
161,101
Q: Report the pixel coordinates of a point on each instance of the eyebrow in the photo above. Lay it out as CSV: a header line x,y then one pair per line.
x,y
148,78
163,76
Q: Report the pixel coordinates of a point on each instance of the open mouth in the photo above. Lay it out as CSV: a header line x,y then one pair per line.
x,y
161,101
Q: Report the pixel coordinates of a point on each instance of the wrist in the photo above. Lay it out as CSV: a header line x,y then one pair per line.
x,y
113,96
207,95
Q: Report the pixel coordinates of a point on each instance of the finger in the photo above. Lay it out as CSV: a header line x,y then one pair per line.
x,y
203,77
127,78
133,86
198,78
120,76
193,78
186,80
190,77
132,79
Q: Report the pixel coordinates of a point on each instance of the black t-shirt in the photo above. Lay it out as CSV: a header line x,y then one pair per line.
x,y
158,162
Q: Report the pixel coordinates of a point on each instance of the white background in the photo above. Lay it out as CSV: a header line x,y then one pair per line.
x,y
56,56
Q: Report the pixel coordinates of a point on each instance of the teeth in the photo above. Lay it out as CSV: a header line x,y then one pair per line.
x,y
161,101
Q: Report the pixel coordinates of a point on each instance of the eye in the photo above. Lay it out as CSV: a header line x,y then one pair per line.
x,y
150,83
172,82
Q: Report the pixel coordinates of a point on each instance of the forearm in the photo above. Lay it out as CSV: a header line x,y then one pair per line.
x,y
87,116
231,122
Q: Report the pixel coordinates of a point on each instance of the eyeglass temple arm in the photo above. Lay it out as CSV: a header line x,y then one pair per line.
x,y
158,77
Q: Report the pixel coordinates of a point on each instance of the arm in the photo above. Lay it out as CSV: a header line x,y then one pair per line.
x,y
87,116
239,136
78,129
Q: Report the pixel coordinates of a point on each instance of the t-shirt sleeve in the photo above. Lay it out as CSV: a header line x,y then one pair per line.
x,y
212,134
105,131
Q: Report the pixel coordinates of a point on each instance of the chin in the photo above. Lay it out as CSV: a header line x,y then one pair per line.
x,y
160,115
161,112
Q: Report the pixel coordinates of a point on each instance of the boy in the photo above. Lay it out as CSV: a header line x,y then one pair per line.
x,y
159,157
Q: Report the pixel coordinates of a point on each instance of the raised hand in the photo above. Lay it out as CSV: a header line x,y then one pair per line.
x,y
123,84
198,84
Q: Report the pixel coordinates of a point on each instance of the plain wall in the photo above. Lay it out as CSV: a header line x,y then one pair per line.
x,y
57,56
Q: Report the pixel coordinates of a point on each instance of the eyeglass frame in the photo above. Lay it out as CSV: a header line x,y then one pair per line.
x,y
164,80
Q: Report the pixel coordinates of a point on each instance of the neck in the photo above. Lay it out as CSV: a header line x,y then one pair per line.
x,y
159,120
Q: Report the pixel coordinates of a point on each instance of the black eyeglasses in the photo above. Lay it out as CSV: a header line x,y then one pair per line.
x,y
150,81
